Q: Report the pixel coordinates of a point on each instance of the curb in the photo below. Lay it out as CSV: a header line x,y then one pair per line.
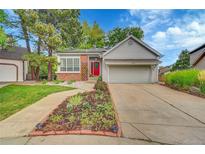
x,y
119,133
73,132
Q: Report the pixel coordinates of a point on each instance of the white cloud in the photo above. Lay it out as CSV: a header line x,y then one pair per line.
x,y
187,35
170,31
174,31
194,26
133,12
146,19
159,36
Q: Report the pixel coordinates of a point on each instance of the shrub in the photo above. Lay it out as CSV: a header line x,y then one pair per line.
x,y
101,85
44,81
75,100
202,87
71,118
183,79
58,81
201,78
100,78
56,118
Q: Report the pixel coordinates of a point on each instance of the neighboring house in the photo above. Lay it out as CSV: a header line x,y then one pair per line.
x,y
12,67
164,70
130,61
197,57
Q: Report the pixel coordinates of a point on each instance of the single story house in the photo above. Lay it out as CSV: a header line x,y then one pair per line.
x,y
197,57
12,67
130,61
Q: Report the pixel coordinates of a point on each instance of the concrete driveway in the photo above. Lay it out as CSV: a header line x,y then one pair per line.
x,y
156,113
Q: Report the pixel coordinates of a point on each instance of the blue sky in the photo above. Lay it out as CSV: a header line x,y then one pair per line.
x,y
168,31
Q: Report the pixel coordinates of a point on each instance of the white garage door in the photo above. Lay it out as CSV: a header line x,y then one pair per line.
x,y
129,74
7,73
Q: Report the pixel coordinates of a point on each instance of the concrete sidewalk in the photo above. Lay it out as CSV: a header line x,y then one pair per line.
x,y
24,121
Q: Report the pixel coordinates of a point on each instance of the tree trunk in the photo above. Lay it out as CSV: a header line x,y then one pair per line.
x,y
25,34
39,46
49,67
49,71
37,73
32,73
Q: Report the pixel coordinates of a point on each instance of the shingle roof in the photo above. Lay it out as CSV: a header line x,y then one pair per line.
x,y
15,53
198,48
92,50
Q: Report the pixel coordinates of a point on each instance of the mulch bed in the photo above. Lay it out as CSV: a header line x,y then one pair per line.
x,y
88,113
184,90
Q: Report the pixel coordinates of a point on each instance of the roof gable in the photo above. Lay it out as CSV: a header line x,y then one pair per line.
x,y
198,48
131,48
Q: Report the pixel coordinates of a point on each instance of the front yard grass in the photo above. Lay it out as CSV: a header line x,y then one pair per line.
x,y
13,98
85,111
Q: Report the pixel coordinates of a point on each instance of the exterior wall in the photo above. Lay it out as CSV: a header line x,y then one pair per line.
x,y
200,64
105,72
69,76
194,56
154,73
83,75
25,69
130,51
19,64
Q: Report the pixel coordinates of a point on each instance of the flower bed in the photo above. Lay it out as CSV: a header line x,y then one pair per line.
x,y
85,113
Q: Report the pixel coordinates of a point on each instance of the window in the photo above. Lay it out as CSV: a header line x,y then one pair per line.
x,y
70,64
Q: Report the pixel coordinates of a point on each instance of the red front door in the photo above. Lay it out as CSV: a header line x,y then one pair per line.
x,y
95,68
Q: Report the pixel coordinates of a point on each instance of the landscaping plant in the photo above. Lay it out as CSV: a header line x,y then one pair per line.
x,y
201,78
58,81
88,111
182,79
186,79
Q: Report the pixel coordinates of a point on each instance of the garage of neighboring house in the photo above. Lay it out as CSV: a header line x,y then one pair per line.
x,y
12,66
9,72
131,61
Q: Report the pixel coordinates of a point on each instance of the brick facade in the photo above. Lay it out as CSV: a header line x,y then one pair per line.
x,y
82,76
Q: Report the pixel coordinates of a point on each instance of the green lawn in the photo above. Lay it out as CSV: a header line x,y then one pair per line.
x,y
13,98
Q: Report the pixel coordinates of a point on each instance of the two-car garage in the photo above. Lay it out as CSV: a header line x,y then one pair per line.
x,y
131,61
129,74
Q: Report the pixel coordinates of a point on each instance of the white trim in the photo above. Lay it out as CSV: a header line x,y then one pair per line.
x,y
137,40
76,53
78,57
108,72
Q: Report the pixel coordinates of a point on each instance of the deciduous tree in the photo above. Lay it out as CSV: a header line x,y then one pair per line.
x,y
92,36
118,34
